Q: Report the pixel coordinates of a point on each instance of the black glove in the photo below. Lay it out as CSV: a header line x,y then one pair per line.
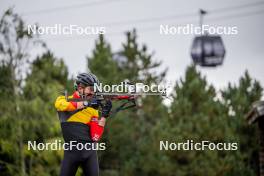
x,y
106,108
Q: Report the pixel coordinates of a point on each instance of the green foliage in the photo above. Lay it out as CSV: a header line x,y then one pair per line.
x,y
12,56
36,118
6,81
197,114
27,112
47,73
238,100
102,64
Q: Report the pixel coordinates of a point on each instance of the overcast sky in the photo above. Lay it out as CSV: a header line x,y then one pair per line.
x,y
243,51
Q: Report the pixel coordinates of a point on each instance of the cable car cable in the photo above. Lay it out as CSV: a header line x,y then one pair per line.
x,y
69,7
152,28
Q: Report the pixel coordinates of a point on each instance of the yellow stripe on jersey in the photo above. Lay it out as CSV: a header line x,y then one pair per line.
x,y
84,116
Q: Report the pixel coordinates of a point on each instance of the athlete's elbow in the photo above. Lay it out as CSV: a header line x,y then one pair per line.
x,y
58,104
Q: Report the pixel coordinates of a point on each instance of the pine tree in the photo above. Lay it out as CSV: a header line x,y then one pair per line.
x,y
196,115
101,63
238,100
45,81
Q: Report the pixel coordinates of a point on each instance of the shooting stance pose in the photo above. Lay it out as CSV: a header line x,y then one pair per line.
x,y
80,122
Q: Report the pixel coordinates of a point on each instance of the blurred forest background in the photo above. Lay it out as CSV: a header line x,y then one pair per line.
x,y
198,112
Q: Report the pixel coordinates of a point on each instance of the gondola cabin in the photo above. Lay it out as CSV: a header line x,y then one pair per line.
x,y
208,50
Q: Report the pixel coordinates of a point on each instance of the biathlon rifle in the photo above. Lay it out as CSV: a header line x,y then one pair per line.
x,y
129,100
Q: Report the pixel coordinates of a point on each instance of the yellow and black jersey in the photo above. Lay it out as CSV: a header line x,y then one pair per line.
x,y
74,122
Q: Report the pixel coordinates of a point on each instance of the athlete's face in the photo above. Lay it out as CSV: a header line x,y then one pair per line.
x,y
88,91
